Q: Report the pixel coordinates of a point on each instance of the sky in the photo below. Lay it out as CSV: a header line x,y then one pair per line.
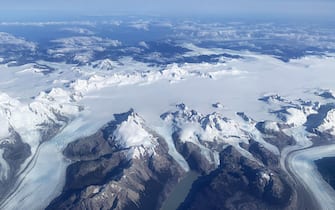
x,y
294,8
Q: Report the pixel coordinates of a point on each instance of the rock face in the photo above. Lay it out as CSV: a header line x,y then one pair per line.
x,y
194,157
240,183
199,138
273,134
127,165
15,152
108,174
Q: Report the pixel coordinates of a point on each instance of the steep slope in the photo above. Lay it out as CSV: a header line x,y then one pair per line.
x,y
240,183
125,165
25,126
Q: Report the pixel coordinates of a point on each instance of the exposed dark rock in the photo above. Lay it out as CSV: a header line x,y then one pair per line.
x,y
15,153
270,98
88,148
195,159
315,120
281,140
103,176
327,94
239,183
261,153
327,170
245,117
277,138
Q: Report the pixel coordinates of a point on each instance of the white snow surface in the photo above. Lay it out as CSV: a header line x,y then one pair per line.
x,y
105,64
30,100
197,128
271,126
132,134
171,73
29,120
328,124
294,117
4,128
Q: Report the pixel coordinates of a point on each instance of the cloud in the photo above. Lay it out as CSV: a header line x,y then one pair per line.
x,y
9,39
78,30
140,25
81,47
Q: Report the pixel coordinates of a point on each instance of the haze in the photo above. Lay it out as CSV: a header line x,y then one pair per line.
x,y
282,8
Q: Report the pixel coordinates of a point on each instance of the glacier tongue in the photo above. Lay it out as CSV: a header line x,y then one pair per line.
x,y
4,167
25,127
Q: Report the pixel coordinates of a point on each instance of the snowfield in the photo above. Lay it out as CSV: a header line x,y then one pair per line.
x,y
78,100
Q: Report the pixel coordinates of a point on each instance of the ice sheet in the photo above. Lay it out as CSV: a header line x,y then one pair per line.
x,y
238,92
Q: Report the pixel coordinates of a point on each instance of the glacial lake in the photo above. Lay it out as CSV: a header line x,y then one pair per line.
x,y
180,191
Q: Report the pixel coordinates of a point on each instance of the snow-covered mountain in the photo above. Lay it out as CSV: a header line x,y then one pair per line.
x,y
101,122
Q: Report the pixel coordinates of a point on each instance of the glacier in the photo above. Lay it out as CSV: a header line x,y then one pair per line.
x,y
50,104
